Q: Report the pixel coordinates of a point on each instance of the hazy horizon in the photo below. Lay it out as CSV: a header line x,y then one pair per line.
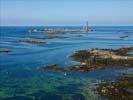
x,y
66,12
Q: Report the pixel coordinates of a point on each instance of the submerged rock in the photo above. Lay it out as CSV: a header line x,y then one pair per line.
x,y
31,41
51,37
118,90
52,67
5,51
122,37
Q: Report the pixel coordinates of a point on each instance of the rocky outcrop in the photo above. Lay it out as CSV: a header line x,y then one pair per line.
x,y
105,57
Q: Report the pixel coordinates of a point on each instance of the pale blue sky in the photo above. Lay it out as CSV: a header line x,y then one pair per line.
x,y
66,12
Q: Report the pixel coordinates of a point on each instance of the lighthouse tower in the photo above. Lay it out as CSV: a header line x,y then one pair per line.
x,y
86,27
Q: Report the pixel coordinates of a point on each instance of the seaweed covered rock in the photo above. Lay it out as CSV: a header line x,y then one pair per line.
x,y
105,57
119,90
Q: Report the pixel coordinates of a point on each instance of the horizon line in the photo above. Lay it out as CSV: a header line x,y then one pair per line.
x,y
55,25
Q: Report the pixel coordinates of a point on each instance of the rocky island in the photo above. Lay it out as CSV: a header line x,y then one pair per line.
x,y
61,30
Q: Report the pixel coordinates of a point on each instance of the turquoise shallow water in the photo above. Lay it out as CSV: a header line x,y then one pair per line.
x,y
20,78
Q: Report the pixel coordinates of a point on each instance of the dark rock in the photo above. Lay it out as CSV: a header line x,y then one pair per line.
x,y
51,37
52,67
5,51
31,41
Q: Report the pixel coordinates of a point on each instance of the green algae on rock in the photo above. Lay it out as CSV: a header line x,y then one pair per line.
x,y
119,90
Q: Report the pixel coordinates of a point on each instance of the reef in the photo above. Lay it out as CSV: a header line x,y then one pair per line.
x,y
31,41
104,57
97,59
50,37
121,89
5,51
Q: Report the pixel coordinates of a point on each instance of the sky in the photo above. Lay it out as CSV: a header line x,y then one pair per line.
x,y
66,12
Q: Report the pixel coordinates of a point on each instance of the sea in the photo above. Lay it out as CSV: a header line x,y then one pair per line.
x,y
22,79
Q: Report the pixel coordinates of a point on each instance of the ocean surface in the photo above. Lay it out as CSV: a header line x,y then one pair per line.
x,y
21,78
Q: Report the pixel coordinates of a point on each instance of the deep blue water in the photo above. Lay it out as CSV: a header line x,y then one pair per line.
x,y
21,78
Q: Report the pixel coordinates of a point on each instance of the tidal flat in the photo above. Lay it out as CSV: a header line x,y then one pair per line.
x,y
83,66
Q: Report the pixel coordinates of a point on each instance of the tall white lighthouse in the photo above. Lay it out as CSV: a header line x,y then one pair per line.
x,y
85,28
